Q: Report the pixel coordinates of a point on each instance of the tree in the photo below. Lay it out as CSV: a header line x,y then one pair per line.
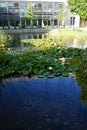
x,y
28,13
61,17
78,7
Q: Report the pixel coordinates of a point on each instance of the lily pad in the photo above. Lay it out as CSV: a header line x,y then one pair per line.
x,y
50,76
65,74
41,76
69,69
57,74
25,73
76,69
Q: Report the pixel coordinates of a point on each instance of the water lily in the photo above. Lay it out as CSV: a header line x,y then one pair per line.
x,y
50,68
62,60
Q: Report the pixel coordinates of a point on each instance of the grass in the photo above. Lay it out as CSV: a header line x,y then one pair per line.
x,y
67,35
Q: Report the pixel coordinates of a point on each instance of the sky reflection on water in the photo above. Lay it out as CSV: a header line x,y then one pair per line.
x,y
42,104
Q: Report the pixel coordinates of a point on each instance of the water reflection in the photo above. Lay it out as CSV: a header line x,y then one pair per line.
x,y
81,77
16,38
42,104
81,74
17,47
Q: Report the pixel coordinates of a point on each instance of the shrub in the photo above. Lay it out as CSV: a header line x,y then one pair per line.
x,y
4,39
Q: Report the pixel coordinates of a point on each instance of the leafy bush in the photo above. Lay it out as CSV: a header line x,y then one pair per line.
x,y
4,39
4,57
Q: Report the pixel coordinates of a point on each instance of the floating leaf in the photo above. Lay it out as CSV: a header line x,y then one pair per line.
x,y
65,74
76,69
41,76
50,76
57,74
25,73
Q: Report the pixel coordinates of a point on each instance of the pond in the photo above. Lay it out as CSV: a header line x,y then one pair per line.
x,y
42,104
16,41
17,45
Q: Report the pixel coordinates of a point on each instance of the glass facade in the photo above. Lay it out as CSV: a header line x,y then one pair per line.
x,y
44,13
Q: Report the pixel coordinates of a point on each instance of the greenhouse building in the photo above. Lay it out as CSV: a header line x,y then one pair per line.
x,y
45,13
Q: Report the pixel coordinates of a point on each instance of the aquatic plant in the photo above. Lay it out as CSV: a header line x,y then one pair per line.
x,y
44,59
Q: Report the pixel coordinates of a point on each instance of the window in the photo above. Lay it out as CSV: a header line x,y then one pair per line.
x,y
11,15
10,4
48,22
3,9
22,10
3,4
22,14
16,10
72,20
60,5
16,15
3,15
16,4
39,5
22,5
55,22
50,5
11,10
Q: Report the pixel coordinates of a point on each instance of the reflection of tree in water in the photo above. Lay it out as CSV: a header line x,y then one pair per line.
x,y
81,76
15,40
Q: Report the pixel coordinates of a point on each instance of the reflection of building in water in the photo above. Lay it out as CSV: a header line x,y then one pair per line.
x,y
45,13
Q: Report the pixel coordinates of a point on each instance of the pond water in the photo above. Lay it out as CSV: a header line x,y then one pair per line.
x,y
18,37
16,44
17,47
42,104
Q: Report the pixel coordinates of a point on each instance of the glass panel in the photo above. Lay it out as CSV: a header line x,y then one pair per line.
x,y
3,9
22,5
39,5
3,4
55,22
10,4
16,10
60,5
11,15
3,15
22,10
16,4
10,10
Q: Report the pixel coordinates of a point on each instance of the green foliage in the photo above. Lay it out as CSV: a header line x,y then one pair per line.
x,y
4,42
61,14
47,59
4,39
79,7
28,13
44,58
81,75
66,35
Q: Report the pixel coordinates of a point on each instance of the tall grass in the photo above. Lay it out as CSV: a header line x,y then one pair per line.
x,y
61,36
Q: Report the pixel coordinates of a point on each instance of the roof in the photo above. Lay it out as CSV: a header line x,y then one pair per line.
x,y
38,0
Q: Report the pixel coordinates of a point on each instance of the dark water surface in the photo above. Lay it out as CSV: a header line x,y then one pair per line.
x,y
42,104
